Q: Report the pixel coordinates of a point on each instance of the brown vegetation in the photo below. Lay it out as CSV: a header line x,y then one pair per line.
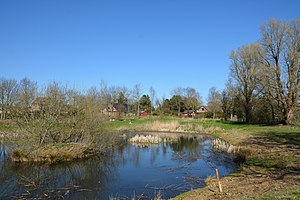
x,y
54,153
62,127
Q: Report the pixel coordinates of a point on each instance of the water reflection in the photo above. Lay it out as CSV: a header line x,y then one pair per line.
x,y
172,168
187,149
88,179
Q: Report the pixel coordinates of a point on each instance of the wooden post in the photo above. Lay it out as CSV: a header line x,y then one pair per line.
x,y
219,182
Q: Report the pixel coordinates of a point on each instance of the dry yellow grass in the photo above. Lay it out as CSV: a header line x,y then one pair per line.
x,y
224,146
54,153
160,126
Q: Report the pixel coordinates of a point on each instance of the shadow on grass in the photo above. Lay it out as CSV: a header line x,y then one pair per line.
x,y
240,123
286,138
278,151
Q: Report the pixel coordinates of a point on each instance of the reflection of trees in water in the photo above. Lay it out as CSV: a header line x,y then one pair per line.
x,y
186,149
91,177
192,150
134,154
3,153
154,153
5,183
186,144
165,149
96,177
129,154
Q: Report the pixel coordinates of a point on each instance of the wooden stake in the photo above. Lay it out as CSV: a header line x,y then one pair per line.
x,y
219,182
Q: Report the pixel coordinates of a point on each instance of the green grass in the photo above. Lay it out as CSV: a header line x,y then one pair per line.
x,y
289,132
131,123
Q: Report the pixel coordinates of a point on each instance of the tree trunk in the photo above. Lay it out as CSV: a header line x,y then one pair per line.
x,y
273,112
289,116
138,109
248,112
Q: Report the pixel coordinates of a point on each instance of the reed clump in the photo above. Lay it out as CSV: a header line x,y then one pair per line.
x,y
223,146
148,139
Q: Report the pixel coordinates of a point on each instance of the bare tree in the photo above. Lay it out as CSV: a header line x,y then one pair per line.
x,y
114,93
158,104
73,97
152,97
136,94
54,122
27,92
177,98
227,101
8,92
281,45
92,100
122,103
192,98
245,70
104,95
214,101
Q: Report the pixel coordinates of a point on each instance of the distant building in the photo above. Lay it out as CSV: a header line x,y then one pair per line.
x,y
144,113
188,113
117,110
111,111
202,109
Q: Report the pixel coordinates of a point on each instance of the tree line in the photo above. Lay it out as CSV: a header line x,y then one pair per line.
x,y
265,76
19,98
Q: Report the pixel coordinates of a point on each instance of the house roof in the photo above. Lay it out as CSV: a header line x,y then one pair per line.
x,y
110,108
205,107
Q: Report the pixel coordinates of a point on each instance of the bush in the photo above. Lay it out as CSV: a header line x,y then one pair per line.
x,y
59,123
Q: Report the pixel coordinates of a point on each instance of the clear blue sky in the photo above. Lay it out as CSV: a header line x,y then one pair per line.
x,y
159,43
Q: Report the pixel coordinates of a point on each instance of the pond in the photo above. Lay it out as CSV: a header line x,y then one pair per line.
x,y
141,171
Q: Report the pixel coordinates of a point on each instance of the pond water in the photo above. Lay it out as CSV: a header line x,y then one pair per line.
x,y
168,169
